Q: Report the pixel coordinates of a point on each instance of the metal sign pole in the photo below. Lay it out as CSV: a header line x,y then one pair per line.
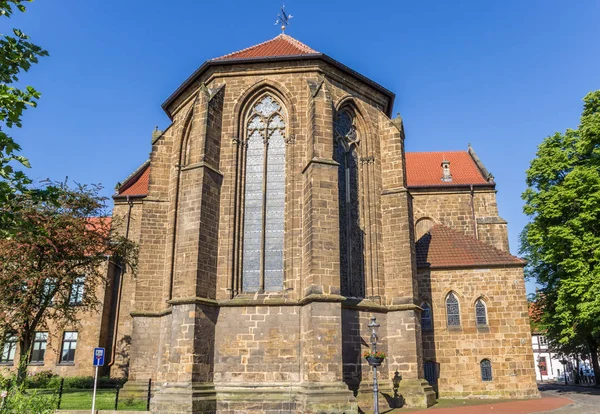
x,y
94,396
98,362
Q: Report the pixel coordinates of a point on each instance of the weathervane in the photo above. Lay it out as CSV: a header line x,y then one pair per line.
x,y
283,18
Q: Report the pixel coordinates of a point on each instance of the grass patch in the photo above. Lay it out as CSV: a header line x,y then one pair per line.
x,y
77,399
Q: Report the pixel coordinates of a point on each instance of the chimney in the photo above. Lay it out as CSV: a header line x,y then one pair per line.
x,y
446,176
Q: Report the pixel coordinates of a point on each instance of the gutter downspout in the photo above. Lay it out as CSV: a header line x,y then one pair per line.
x,y
120,291
473,213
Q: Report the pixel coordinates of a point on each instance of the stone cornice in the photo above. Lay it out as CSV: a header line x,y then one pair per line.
x,y
362,305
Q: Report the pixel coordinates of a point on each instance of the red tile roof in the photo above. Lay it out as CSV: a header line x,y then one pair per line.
x,y
443,247
424,169
136,185
282,45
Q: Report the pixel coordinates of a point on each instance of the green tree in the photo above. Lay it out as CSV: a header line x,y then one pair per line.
x,y
17,55
562,239
50,267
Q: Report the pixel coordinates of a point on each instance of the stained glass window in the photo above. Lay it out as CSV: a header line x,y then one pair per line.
x,y
486,370
426,322
452,310
480,312
351,235
264,197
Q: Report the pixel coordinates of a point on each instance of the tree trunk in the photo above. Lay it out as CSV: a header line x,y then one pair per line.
x,y
24,351
577,377
594,354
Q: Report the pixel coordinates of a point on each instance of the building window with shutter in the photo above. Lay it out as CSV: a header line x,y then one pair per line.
x,y
486,370
452,310
69,345
264,196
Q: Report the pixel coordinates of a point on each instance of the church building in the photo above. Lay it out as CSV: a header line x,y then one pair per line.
x,y
277,214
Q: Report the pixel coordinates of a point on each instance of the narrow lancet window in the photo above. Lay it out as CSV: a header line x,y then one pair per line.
x,y
426,322
452,310
486,370
264,197
480,312
351,235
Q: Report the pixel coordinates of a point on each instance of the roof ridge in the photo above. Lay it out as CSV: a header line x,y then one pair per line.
x,y
298,43
287,38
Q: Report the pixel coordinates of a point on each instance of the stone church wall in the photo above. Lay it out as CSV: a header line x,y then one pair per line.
x,y
505,341
456,208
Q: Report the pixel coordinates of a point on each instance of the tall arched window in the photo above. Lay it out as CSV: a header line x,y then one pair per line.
x,y
486,370
264,196
426,321
452,310
351,235
480,312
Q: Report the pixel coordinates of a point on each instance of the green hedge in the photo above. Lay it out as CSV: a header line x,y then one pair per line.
x,y
47,379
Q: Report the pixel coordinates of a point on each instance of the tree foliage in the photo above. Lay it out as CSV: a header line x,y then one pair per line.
x,y
60,244
562,239
17,55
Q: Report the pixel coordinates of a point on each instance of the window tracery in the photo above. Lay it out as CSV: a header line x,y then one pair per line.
x,y
351,235
264,197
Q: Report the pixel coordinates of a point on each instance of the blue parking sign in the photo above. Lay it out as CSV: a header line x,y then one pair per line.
x,y
98,357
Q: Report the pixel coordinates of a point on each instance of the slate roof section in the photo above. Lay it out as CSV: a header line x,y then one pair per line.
x,y
423,169
443,247
282,45
136,185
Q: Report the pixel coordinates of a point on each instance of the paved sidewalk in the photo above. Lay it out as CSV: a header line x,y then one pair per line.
x,y
542,405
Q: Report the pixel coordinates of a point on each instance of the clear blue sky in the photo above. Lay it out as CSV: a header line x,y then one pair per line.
x,y
501,75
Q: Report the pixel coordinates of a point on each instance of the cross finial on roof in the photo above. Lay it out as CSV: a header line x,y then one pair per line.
x,y
283,18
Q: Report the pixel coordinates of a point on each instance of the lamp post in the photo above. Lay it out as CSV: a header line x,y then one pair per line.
x,y
540,368
374,325
564,362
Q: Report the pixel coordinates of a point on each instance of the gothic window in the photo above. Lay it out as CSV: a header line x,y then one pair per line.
x,y
351,235
452,310
480,312
486,370
426,322
264,195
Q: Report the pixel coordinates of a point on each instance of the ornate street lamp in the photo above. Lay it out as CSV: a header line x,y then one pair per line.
x,y
374,361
